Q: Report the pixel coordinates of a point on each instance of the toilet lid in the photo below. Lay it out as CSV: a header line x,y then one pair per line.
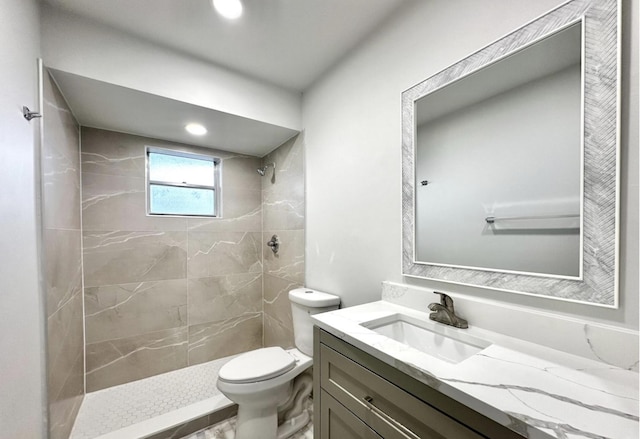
x,y
258,365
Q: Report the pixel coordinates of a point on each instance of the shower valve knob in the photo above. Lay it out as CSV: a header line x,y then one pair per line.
x,y
274,243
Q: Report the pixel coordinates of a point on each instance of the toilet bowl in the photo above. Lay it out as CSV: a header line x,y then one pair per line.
x,y
261,380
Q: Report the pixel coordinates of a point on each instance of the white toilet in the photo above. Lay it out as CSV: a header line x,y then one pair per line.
x,y
261,380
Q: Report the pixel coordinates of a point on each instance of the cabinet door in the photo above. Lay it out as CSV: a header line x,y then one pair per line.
x,y
336,422
386,408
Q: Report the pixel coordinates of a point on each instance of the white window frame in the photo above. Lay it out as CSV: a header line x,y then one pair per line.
x,y
216,188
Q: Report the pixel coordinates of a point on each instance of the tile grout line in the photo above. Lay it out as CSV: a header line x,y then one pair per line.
x,y
186,276
82,285
262,260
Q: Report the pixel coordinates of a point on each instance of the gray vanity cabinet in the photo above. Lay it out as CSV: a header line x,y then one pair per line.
x,y
338,422
363,397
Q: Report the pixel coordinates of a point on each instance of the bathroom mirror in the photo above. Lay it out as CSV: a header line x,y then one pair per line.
x,y
510,162
498,163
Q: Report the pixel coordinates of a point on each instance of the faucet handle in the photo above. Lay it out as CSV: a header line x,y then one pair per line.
x,y
445,300
445,313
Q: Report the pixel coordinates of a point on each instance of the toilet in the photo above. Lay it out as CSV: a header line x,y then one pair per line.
x,y
261,380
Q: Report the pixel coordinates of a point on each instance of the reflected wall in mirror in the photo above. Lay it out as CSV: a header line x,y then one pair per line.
x,y
501,150
510,162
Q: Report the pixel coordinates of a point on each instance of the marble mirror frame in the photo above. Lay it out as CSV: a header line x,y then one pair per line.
x,y
598,284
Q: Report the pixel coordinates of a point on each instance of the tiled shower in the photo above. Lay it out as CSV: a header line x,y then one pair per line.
x,y
157,294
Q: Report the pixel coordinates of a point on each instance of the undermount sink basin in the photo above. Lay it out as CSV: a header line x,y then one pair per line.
x,y
432,338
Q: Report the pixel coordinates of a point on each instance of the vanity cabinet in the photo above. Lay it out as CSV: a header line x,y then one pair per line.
x,y
338,422
363,397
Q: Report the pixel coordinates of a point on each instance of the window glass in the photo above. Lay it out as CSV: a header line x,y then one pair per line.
x,y
182,183
175,200
172,168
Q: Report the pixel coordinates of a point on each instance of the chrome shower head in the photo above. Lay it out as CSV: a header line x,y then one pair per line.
x,y
262,170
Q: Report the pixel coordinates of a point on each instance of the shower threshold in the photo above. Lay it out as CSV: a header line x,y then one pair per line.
x,y
173,404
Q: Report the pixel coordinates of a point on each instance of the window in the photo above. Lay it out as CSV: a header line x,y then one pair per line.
x,y
181,183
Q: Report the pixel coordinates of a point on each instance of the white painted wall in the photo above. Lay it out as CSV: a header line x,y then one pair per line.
x,y
77,45
22,394
352,120
515,154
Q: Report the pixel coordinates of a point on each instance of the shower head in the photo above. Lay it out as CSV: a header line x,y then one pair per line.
x,y
262,170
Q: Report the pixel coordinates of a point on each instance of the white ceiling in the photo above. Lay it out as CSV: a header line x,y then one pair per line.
x,y
289,43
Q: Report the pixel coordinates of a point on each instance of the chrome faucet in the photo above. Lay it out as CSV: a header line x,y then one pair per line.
x,y
445,313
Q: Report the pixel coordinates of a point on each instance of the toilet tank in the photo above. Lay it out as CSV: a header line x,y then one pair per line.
x,y
304,303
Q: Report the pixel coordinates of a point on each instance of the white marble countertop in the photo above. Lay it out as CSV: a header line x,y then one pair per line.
x,y
536,391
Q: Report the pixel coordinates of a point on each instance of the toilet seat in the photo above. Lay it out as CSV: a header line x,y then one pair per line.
x,y
258,365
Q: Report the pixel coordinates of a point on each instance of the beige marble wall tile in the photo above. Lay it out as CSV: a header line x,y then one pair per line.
x,y
65,407
63,266
288,263
60,162
126,310
111,153
62,129
278,324
283,204
239,172
210,341
218,298
65,344
61,192
241,212
277,334
276,299
221,253
283,196
62,240
114,362
283,209
113,202
120,257
289,159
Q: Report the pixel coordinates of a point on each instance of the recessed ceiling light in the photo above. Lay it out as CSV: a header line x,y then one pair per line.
x,y
230,9
196,129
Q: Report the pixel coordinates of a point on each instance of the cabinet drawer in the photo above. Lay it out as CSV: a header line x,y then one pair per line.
x,y
340,423
390,411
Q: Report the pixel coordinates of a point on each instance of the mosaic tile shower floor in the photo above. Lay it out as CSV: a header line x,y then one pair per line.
x,y
108,410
